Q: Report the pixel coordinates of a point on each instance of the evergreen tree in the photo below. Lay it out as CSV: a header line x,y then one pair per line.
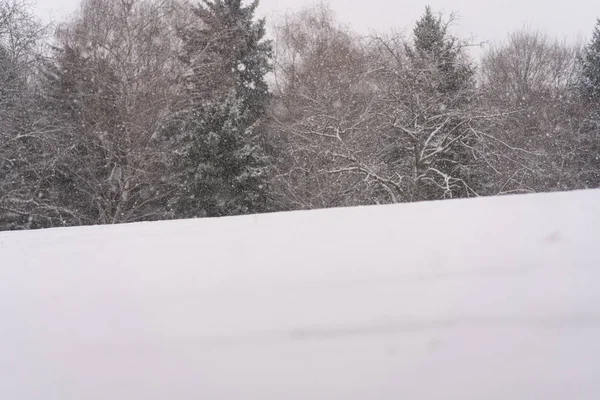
x,y
443,85
588,154
590,68
224,164
440,54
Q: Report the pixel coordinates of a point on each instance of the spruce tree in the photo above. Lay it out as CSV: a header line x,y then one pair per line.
x,y
224,164
443,82
588,155
590,68
439,53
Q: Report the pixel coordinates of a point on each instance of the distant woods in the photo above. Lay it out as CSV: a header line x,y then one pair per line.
x,y
141,110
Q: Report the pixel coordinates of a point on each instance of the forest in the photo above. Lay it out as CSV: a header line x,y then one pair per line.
x,y
145,110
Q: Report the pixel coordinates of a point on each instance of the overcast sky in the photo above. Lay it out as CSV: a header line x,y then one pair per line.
x,y
487,20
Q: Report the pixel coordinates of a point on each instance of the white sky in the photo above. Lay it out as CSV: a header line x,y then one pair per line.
x,y
487,20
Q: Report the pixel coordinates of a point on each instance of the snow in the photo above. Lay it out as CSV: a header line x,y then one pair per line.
x,y
494,298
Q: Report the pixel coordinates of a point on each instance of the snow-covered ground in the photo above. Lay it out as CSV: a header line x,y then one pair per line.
x,y
494,298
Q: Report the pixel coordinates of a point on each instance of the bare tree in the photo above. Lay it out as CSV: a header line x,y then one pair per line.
x,y
379,120
113,85
438,134
529,66
323,114
530,77
25,146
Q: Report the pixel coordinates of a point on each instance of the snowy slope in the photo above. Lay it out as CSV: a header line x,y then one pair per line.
x,y
494,298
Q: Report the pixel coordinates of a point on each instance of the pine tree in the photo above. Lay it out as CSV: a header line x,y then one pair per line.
x,y
590,68
225,169
436,51
588,154
442,82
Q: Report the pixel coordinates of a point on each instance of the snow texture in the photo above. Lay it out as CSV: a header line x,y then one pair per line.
x,y
495,298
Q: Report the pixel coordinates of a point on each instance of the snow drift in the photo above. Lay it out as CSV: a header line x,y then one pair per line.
x,y
495,298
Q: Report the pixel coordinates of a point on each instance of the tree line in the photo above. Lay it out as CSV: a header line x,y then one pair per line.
x,y
141,110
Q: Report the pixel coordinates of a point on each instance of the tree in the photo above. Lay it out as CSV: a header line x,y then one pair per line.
x,y
376,121
431,116
223,161
528,67
323,117
590,68
530,77
438,55
588,157
111,88
26,149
